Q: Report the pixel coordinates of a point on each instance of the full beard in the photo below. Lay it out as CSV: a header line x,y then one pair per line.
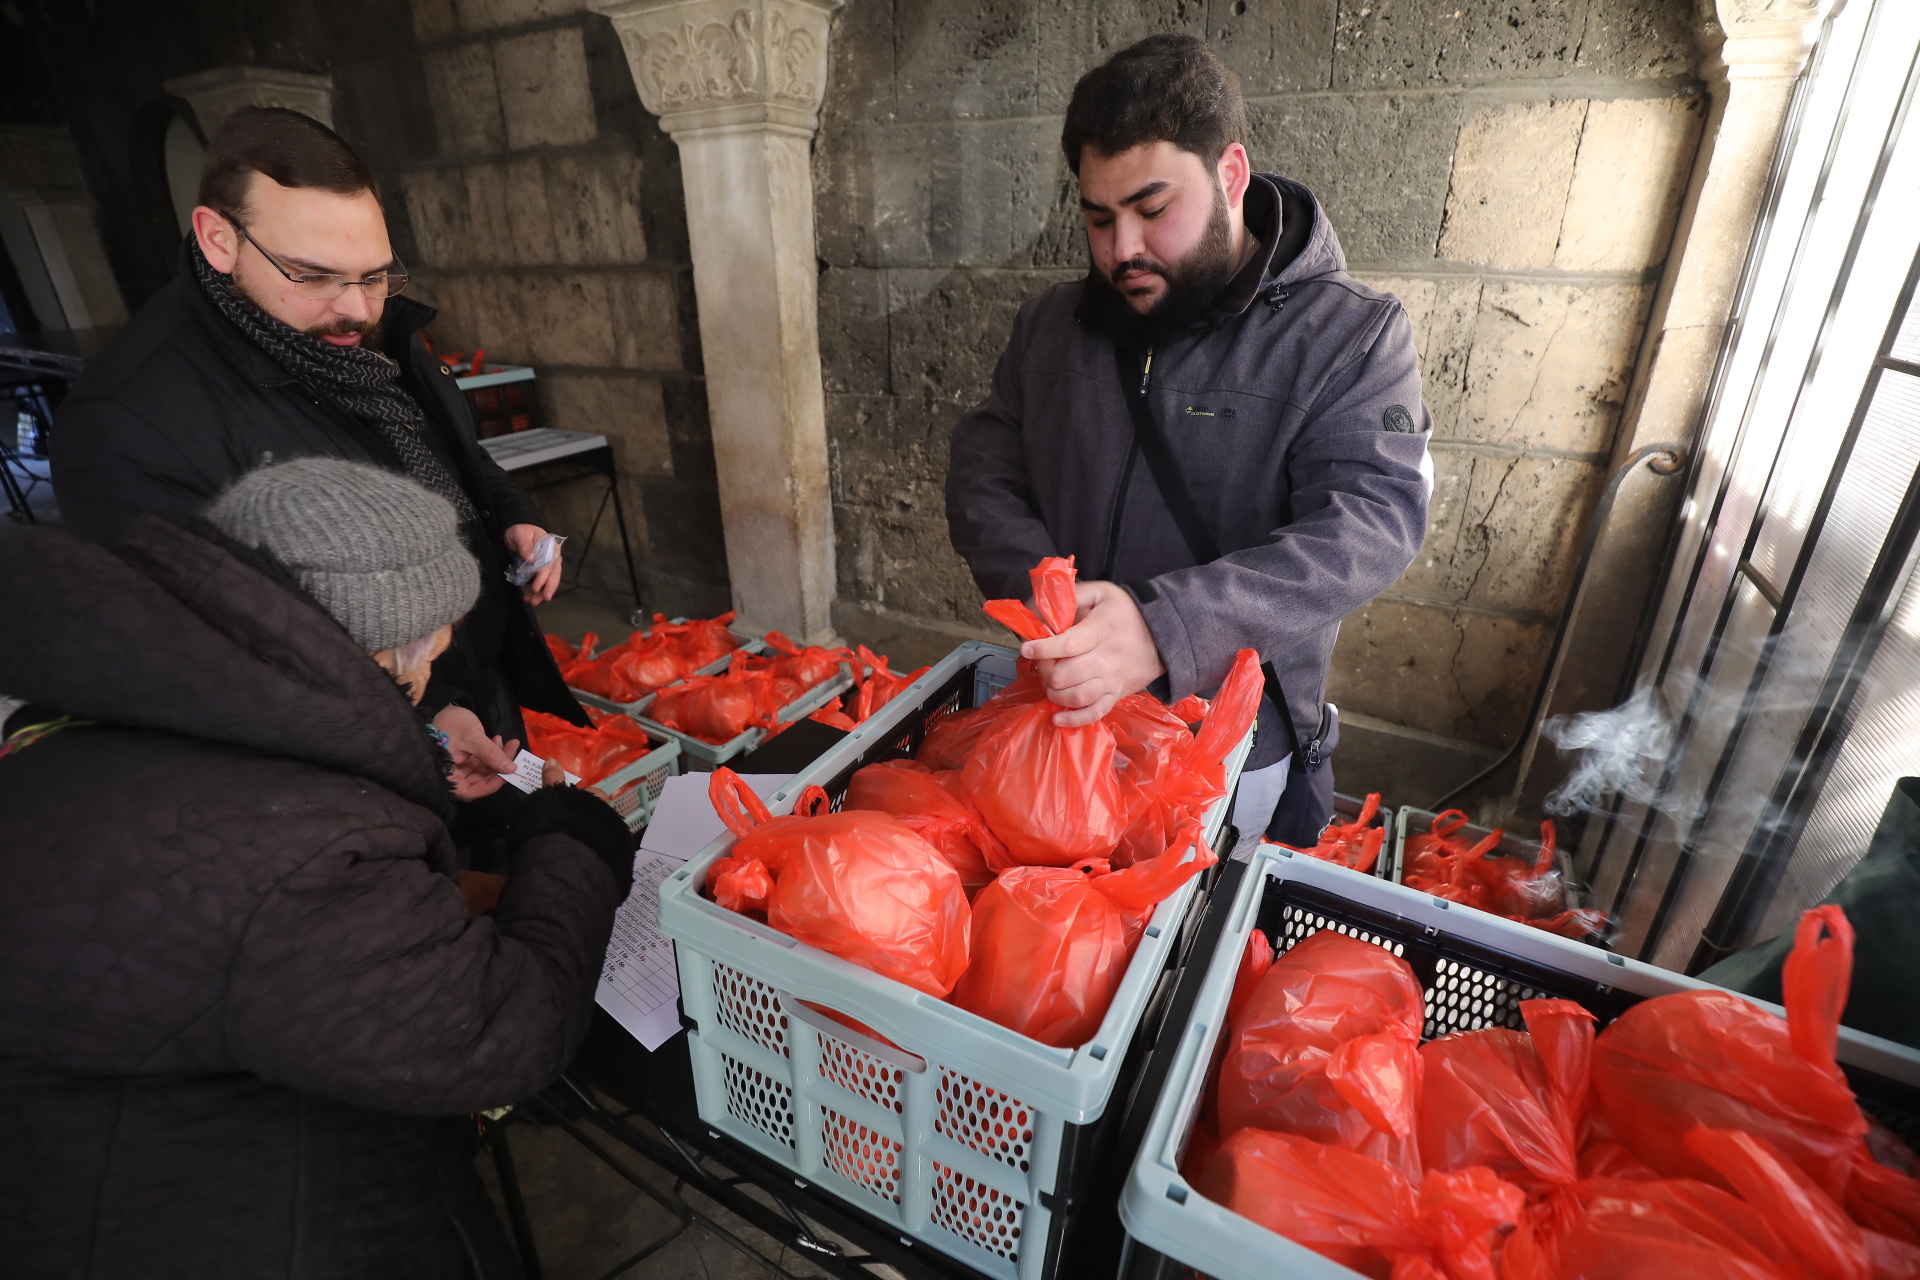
x,y
1193,283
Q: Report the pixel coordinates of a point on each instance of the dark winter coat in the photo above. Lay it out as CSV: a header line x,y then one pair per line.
x,y
244,1012
181,404
1294,411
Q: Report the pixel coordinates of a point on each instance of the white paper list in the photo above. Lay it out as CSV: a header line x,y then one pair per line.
x,y
639,985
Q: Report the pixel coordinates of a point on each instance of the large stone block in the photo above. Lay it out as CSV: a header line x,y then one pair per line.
x,y
647,307
466,100
853,330
947,328
434,20
1550,364
684,530
978,59
1378,164
545,96
1418,297
860,79
1446,362
1449,671
625,409
1635,159
1502,532
534,210
1418,43
1639,39
1511,171
1074,39
964,193
888,453
904,562
689,432
595,207
571,319
487,15
1276,46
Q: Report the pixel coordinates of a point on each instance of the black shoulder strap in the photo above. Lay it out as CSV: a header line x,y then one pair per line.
x,y
1172,484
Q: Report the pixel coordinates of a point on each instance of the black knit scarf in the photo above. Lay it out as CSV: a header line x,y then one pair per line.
x,y
359,380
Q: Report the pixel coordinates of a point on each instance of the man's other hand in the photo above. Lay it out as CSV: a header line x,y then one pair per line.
x,y
523,540
1105,655
478,761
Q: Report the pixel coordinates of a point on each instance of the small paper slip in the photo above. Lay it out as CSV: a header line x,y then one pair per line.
x,y
684,822
639,985
526,772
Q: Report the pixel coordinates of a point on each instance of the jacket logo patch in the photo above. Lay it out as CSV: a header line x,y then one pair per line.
x,y
1201,411
1396,418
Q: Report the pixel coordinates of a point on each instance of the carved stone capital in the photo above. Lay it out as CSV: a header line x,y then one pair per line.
x,y
1759,39
217,94
722,64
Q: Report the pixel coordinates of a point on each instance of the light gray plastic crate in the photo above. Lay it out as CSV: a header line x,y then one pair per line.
x,y
748,644
635,789
1476,969
953,1132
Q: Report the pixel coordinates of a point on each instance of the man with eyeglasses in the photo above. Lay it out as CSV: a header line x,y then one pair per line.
x,y
285,336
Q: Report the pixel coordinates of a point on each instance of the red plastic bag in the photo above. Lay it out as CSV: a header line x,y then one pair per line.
x,y
1052,795
1354,845
1359,1212
1254,963
1051,944
878,685
591,754
1606,1229
1712,1058
1818,1231
936,806
805,667
1327,1047
861,885
563,653
951,738
720,708
1512,1101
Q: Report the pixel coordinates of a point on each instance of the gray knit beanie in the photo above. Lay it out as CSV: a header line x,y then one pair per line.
x,y
379,553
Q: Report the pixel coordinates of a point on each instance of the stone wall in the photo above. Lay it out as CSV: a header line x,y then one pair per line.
x,y
547,224
1511,171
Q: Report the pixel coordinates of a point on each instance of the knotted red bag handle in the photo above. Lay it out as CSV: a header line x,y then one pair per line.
x,y
736,803
813,802
1814,984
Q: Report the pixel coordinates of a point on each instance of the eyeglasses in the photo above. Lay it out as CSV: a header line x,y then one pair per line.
x,y
322,287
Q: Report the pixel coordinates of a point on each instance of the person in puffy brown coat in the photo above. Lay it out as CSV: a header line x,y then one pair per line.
x,y
245,1015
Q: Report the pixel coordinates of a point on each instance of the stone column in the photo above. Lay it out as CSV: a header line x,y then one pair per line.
x,y
738,83
1752,55
40,175
217,94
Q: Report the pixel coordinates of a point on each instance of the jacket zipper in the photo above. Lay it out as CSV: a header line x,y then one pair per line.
x,y
1126,480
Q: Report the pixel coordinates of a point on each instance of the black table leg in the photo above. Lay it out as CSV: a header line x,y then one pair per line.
x,y
495,1136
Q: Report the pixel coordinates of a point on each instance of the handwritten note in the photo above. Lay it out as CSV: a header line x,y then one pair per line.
x,y
639,985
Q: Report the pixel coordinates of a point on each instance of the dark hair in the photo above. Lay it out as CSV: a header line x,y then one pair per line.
x,y
292,149
1166,88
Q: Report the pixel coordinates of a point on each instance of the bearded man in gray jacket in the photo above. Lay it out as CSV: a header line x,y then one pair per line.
x,y
1222,426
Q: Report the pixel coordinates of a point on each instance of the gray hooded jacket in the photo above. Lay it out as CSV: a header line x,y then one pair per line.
x,y
1294,410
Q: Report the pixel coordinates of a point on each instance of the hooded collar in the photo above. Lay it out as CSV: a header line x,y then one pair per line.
x,y
175,629
1296,243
